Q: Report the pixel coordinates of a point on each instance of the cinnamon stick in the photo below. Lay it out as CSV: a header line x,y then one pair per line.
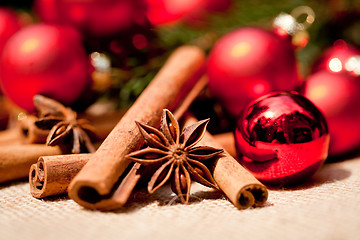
x,y
63,168
95,185
15,160
51,175
227,141
45,182
104,123
239,185
10,136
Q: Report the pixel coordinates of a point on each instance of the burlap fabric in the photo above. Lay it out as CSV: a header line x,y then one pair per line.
x,y
327,207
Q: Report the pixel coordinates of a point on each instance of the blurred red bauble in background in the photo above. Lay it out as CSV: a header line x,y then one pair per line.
x,y
47,10
336,58
160,12
44,59
337,95
96,18
282,138
9,24
249,62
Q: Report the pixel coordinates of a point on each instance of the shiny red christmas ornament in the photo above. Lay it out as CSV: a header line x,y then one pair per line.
x,y
97,18
337,58
164,12
337,95
47,10
160,12
44,59
250,62
9,24
282,138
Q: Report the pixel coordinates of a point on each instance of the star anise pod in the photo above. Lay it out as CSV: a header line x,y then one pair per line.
x,y
65,128
176,154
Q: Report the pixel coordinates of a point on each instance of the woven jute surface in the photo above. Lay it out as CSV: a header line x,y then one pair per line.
x,y
326,207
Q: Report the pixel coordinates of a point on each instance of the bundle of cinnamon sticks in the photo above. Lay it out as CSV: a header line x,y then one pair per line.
x,y
105,179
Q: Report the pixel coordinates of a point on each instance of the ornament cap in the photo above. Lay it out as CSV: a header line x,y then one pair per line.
x,y
288,25
304,10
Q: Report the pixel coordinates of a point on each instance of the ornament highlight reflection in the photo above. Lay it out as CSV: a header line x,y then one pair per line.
x,y
335,65
353,65
282,138
241,49
341,57
30,45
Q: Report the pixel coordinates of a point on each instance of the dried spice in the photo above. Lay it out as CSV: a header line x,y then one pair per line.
x,y
96,185
176,154
238,184
16,159
65,129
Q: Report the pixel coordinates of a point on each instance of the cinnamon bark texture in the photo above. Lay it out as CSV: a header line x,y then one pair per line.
x,y
15,160
10,136
95,185
51,175
239,185
104,123
227,141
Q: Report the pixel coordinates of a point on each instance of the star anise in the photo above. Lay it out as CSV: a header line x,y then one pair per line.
x,y
65,128
176,154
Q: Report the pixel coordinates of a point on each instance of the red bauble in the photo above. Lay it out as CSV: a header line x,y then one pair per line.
x,y
335,58
161,12
47,10
9,24
97,18
282,138
44,59
248,63
338,96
